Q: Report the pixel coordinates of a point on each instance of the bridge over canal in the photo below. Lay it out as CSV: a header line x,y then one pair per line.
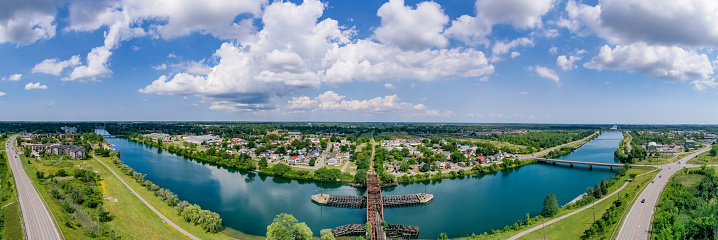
x,y
589,164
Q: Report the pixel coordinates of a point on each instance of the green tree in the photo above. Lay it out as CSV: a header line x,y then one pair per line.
x,y
550,206
263,163
327,234
312,162
443,236
27,152
286,227
159,142
360,176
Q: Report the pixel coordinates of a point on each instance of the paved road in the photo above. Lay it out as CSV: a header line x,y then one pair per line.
x,y
36,218
167,220
638,220
521,234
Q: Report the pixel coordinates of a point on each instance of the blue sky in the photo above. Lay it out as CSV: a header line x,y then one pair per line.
x,y
485,61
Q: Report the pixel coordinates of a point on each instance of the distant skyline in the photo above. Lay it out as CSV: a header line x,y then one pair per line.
x,y
484,61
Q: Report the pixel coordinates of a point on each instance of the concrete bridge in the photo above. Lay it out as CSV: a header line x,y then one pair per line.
x,y
572,162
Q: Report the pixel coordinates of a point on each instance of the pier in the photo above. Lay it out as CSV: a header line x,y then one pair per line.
x,y
391,201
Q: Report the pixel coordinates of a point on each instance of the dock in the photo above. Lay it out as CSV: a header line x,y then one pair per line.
x,y
392,230
391,201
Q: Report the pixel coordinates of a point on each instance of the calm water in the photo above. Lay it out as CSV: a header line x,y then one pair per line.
x,y
248,202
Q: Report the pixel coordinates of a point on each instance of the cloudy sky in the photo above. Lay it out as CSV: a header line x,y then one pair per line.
x,y
536,61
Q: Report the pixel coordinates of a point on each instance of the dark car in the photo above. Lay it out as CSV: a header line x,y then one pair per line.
x,y
644,200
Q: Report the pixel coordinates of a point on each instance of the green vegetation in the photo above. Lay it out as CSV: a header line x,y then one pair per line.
x,y
688,207
610,186
191,213
476,169
327,234
613,214
710,157
575,226
245,162
73,194
286,227
629,151
550,206
148,224
10,217
542,139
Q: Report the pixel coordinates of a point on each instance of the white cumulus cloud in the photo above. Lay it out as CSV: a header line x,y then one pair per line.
x,y
412,29
670,63
14,77
521,14
25,22
54,66
295,51
662,22
566,63
545,72
389,86
33,86
331,101
2,94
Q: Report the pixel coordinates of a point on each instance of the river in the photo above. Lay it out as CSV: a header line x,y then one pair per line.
x,y
248,202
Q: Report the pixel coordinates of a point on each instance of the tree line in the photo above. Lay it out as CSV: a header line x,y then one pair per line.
x,y
688,210
191,213
541,139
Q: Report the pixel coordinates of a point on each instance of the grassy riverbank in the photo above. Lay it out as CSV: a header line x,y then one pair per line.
x,y
573,227
166,210
131,219
556,230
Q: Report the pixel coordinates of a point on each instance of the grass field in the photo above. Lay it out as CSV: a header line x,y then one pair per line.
x,y
170,212
132,219
573,227
704,158
70,231
12,228
574,231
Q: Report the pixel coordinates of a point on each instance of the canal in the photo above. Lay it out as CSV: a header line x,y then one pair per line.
x,y
248,201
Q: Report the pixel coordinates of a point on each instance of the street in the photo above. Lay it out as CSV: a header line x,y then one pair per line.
x,y
36,218
638,220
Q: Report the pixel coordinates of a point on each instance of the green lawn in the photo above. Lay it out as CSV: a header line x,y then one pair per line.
x,y
704,158
688,180
554,230
573,227
71,231
171,213
133,220
11,208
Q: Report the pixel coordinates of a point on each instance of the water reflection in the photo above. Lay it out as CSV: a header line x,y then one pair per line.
x,y
248,201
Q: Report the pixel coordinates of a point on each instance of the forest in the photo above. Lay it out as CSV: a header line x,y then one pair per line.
x,y
541,139
688,207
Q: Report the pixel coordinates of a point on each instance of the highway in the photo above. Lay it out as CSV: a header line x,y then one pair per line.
x,y
638,220
37,221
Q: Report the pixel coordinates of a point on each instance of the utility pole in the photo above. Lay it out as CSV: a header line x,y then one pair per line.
x,y
593,208
544,228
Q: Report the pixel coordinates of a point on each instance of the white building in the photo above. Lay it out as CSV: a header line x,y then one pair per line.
x,y
200,139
